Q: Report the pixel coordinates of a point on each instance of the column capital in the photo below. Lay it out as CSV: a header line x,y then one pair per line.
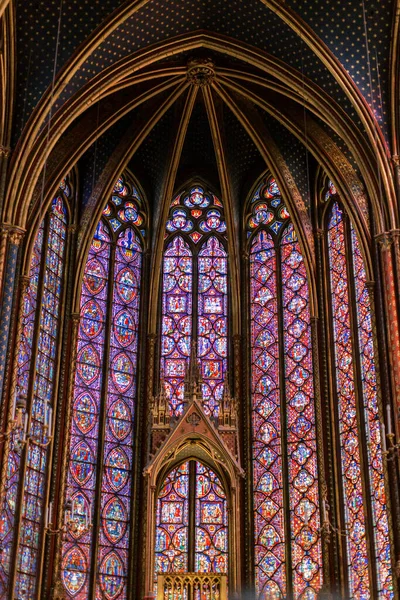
x,y
24,282
5,151
396,160
15,234
385,239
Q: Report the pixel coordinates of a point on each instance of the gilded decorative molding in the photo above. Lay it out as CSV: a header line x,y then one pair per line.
x,y
200,71
385,240
396,160
151,344
5,151
27,167
14,234
237,347
126,149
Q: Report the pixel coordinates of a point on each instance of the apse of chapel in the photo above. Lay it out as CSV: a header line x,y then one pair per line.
x,y
121,25
104,83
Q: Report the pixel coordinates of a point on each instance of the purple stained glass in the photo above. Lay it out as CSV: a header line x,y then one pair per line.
x,y
267,208
269,523
113,488
211,524
196,217
7,514
173,522
276,303
36,463
176,319
76,552
212,321
192,486
300,422
357,552
372,426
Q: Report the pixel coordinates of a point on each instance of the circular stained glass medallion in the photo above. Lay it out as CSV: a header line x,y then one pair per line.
x,y
117,468
74,569
82,462
124,328
126,285
88,363
122,372
114,519
112,576
92,318
81,511
85,412
120,419
95,276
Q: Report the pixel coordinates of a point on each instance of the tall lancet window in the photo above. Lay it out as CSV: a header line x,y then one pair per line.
x,y
38,354
195,297
362,490
95,559
288,555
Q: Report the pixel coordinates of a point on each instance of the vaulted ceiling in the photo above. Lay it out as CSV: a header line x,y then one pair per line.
x,y
291,86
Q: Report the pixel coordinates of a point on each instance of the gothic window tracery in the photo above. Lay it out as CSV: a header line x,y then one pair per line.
x,y
288,554
36,387
191,522
103,410
195,297
363,494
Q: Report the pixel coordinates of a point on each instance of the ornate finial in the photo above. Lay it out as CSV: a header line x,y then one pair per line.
x,y
227,412
160,407
193,378
200,71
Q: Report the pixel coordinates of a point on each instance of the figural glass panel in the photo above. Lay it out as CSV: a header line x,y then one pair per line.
x,y
36,376
195,297
105,392
184,544
283,416
358,418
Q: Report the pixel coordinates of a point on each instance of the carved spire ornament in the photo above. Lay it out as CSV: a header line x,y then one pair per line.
x,y
193,378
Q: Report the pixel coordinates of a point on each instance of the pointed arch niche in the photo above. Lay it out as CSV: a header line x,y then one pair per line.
x,y
195,448
95,553
194,417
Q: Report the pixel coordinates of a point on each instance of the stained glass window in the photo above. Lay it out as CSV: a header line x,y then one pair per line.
x,y
284,436
36,378
184,544
195,266
105,392
359,426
